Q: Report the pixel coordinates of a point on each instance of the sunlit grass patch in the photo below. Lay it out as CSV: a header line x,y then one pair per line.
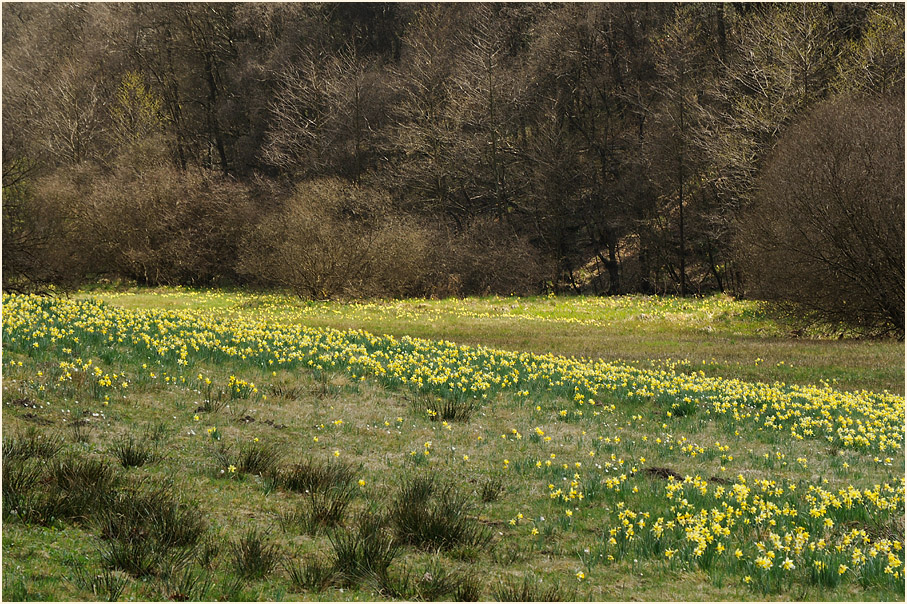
x,y
337,448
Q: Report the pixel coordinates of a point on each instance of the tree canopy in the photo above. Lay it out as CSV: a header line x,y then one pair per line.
x,y
602,148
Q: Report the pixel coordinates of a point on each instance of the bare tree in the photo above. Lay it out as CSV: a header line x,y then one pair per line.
x,y
874,64
425,131
326,111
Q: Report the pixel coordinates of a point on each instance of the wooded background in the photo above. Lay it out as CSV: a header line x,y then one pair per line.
x,y
422,149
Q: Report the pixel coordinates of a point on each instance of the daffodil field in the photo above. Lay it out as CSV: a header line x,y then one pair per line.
x,y
581,478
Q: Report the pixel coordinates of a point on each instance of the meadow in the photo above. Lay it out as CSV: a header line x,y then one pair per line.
x,y
185,445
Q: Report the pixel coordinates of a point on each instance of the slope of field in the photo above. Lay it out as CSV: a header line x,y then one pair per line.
x,y
716,335
226,446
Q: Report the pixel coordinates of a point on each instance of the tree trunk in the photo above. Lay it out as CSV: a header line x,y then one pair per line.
x,y
213,125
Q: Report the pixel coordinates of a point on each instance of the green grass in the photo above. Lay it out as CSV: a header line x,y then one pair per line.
x,y
717,335
363,444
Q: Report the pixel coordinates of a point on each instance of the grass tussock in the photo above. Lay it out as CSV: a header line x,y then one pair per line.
x,y
258,458
207,554
431,515
83,485
105,586
319,510
79,431
529,590
491,490
147,529
31,444
186,585
254,555
435,582
253,458
309,574
133,452
364,553
73,488
311,475
24,498
458,409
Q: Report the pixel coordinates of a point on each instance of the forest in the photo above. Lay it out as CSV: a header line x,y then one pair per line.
x,y
360,150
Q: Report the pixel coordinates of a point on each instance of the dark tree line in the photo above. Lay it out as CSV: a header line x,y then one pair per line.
x,y
400,149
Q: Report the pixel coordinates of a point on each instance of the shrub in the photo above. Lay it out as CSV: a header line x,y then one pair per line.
x,y
146,220
825,235
484,256
334,238
40,239
319,244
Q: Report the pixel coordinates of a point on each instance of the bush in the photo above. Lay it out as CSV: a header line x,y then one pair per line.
x,y
485,256
333,238
40,238
146,220
825,235
321,243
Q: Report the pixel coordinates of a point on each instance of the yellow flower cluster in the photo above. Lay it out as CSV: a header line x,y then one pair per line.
x,y
762,525
857,420
762,520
